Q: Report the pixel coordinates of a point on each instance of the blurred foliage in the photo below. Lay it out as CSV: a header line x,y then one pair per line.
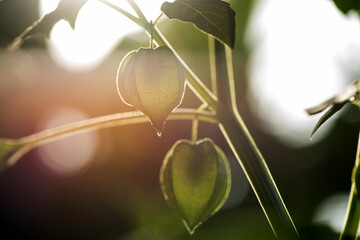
x,y
15,16
346,5
66,9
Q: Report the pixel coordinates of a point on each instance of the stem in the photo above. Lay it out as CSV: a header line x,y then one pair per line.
x,y
137,10
151,35
231,78
123,12
246,151
158,18
352,218
195,124
113,120
194,130
222,78
212,61
258,174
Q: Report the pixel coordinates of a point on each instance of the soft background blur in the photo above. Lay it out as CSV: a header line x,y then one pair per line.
x,y
289,55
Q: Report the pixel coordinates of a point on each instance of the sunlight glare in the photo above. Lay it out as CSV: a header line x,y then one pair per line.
x,y
98,30
302,49
71,155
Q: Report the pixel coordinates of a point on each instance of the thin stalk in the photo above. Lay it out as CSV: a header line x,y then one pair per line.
x,y
352,218
212,63
195,124
123,12
112,120
158,18
231,78
222,78
194,130
151,35
137,10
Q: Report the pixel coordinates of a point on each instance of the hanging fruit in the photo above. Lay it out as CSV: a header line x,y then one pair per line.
x,y
195,180
153,82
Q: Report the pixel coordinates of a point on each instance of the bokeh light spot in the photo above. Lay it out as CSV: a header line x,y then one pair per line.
x,y
73,154
331,212
301,50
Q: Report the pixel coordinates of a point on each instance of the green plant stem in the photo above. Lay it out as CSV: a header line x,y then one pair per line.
x,y
222,78
152,35
119,119
137,10
231,79
242,145
158,19
352,218
123,12
246,151
258,174
195,124
212,63
194,130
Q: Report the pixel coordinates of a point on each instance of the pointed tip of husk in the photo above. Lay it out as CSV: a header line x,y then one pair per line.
x,y
158,126
191,230
158,132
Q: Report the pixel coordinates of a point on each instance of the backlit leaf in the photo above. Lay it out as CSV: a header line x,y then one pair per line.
x,y
66,9
356,100
214,17
329,113
347,5
349,94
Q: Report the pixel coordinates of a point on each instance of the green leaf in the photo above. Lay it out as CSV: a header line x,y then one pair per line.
x,y
346,5
70,10
195,180
356,100
66,9
333,109
152,81
349,94
214,17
